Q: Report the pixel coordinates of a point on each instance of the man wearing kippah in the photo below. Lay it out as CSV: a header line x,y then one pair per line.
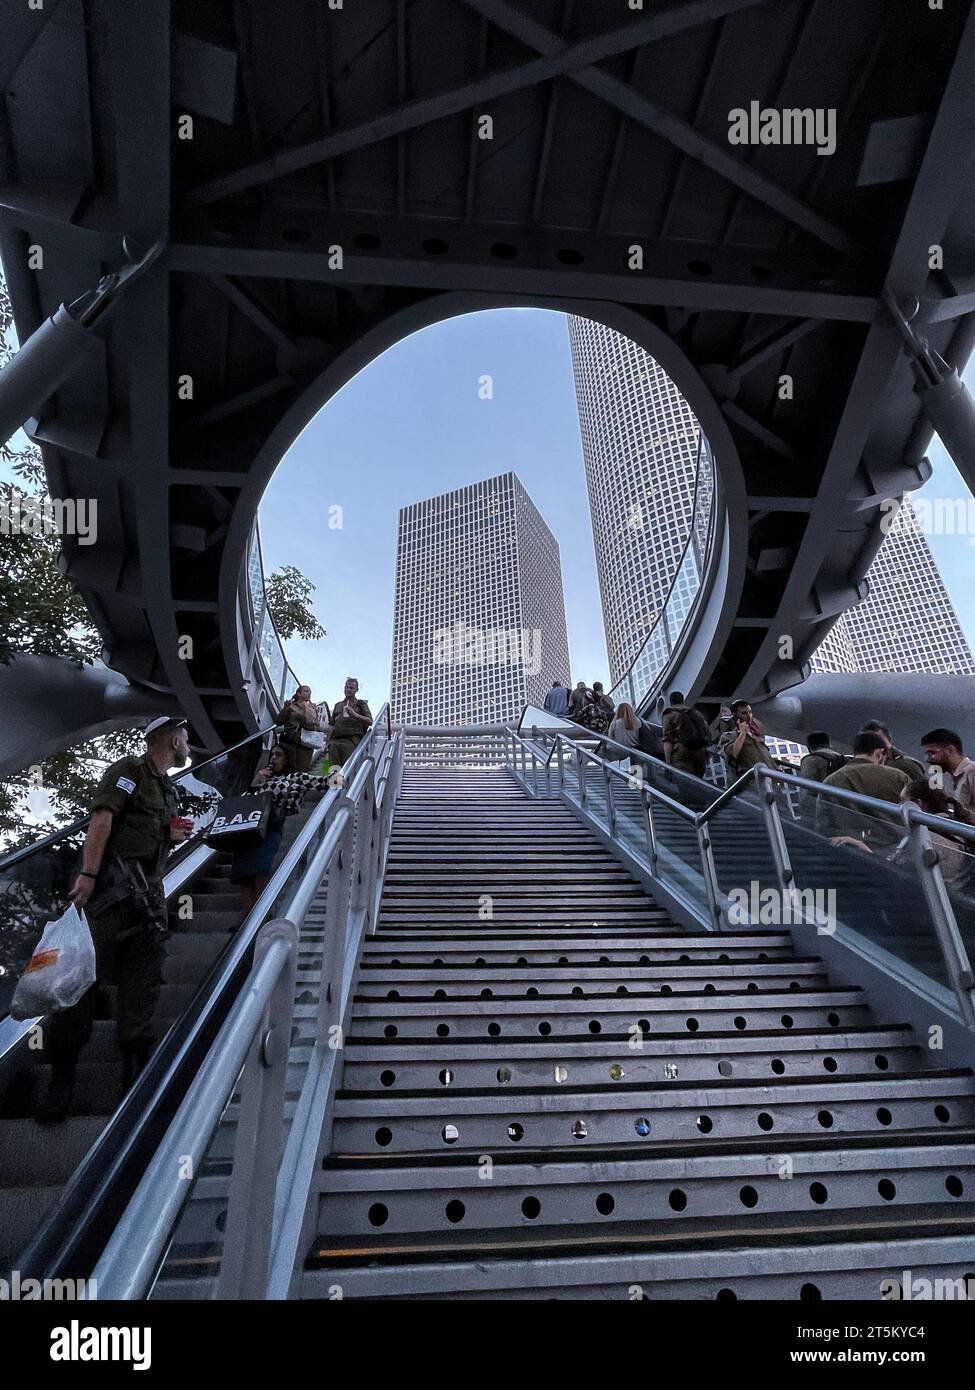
x,y
134,824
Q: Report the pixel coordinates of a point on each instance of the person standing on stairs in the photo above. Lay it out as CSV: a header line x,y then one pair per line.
x,y
133,826
351,717
686,736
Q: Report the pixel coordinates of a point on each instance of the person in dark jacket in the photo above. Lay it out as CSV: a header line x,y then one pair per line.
x,y
818,764
299,716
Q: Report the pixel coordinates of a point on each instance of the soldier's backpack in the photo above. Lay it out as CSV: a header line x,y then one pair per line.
x,y
692,731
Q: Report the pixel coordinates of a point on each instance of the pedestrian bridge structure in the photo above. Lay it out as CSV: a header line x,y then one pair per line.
x,y
288,190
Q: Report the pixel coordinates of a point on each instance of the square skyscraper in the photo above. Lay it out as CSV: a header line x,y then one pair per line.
x,y
479,615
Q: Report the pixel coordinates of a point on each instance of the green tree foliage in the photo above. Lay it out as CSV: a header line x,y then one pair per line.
x,y
288,598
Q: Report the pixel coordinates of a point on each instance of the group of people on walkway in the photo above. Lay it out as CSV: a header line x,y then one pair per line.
x,y
315,742
321,737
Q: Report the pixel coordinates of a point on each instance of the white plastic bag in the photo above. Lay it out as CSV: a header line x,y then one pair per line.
x,y
60,970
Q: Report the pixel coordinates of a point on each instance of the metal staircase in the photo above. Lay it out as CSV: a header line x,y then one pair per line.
x,y
551,1088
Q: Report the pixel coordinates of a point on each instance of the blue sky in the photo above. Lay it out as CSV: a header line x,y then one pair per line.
x,y
411,425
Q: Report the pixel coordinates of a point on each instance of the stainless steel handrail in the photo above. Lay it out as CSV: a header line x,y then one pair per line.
x,y
918,826
263,1008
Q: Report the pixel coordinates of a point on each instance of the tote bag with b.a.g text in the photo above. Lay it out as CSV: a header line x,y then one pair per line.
x,y
240,823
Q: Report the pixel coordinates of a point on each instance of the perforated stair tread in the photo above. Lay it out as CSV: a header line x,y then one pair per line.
x,y
816,1227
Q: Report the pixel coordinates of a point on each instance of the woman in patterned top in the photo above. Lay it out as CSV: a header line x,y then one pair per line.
x,y
251,868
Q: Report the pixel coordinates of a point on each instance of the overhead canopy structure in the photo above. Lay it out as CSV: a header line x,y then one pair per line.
x,y
325,180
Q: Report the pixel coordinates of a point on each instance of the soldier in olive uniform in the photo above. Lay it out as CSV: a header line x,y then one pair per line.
x,y
119,888
351,718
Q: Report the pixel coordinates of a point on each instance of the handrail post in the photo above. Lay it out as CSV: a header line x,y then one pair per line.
x,y
259,1138
338,901
651,828
561,760
610,805
776,837
952,946
582,777
710,872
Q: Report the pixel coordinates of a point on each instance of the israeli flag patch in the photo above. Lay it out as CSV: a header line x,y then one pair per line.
x,y
126,784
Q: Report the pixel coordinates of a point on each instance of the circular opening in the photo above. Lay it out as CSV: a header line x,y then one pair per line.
x,y
677,1199
530,1208
809,1293
777,1065
642,1126
561,1074
487,993
765,1121
725,1068
595,1026
450,1134
390,1030
830,1063
494,1030
726,1296
621,989
705,1124
455,1211
953,1185
384,1137
442,1030
881,1062
710,989
446,1077
605,1204
818,1193
833,1019
741,1023
616,1072
643,1024
887,1189
884,1115
516,1132
577,990
580,1130
393,994
388,1078
504,1075
692,1025
825,1119
544,1028
521,961
531,992
751,987
440,994
748,1196
378,1214
942,1113
787,1020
